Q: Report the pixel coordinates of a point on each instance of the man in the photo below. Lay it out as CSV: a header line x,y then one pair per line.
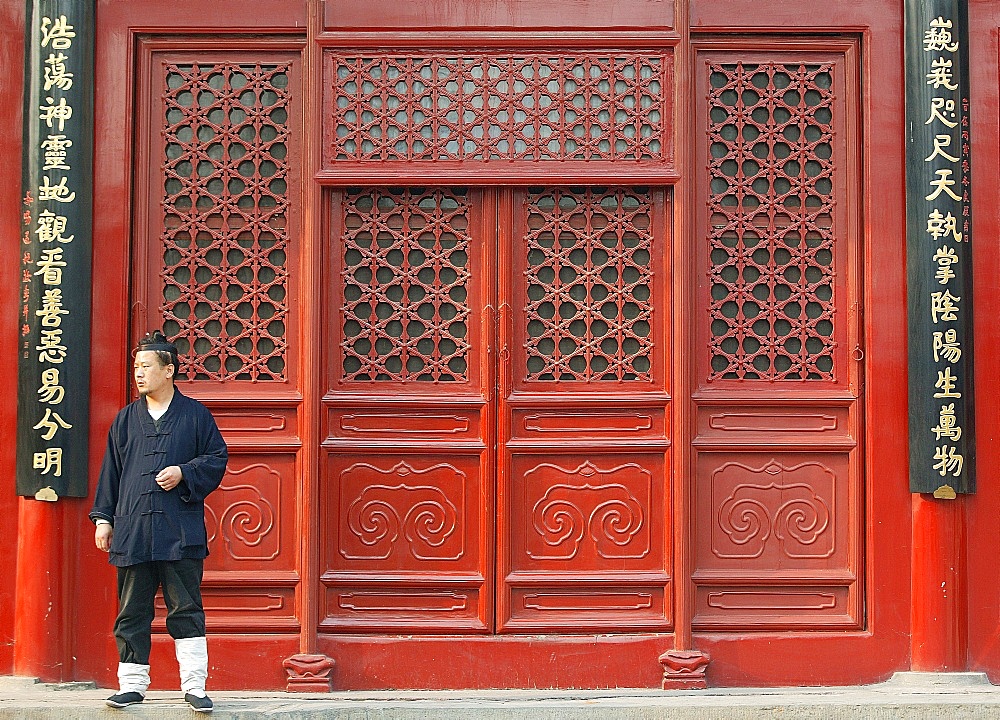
x,y
164,456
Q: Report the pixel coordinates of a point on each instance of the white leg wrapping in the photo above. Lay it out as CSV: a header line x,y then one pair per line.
x,y
192,658
133,677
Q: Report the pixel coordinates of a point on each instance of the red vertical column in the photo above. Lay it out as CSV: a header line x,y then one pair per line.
x,y
938,620
39,627
12,20
309,670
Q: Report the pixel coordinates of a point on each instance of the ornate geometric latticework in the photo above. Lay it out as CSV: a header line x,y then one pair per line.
x,y
589,284
486,107
405,280
225,225
771,209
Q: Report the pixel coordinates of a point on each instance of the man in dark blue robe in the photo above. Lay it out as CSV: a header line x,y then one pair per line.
x,y
164,456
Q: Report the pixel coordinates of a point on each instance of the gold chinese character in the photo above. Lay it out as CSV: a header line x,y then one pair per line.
x,y
943,306
52,309
940,74
55,73
938,38
52,112
938,226
55,152
946,346
51,228
48,460
51,422
947,424
946,383
51,264
59,193
50,391
59,33
51,348
943,183
945,257
949,461
937,106
941,142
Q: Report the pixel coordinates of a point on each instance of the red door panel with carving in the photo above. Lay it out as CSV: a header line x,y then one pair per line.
x,y
421,367
407,480
584,520
217,243
778,482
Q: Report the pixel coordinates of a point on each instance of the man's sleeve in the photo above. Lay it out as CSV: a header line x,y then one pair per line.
x,y
204,473
106,498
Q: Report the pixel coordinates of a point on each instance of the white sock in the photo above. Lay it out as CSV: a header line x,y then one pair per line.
x,y
192,659
133,677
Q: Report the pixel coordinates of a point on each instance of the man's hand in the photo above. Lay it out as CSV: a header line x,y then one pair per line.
x,y
169,477
103,535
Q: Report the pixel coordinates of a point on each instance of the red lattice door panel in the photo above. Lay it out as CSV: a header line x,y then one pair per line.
x,y
496,445
778,530
217,225
584,522
407,481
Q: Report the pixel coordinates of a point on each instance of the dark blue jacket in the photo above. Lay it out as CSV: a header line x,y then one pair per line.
x,y
150,524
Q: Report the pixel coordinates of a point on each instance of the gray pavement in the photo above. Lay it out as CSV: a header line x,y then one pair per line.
x,y
908,695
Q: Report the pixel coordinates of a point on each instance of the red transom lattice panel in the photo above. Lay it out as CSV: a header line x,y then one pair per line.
x,y
771,207
406,274
589,282
473,107
225,204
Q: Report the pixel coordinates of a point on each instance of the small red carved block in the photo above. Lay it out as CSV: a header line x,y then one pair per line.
x,y
684,669
309,673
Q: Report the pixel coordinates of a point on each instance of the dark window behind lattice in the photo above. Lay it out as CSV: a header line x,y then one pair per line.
x,y
589,298
225,219
406,284
771,210
470,106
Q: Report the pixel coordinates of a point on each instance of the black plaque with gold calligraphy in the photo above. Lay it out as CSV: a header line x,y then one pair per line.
x,y
939,249
55,250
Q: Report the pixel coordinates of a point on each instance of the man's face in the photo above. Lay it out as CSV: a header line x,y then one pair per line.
x,y
151,376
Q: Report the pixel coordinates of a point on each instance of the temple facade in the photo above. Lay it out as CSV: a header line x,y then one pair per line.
x,y
556,343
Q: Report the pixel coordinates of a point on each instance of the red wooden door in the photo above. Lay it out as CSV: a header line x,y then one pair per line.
x,y
496,427
584,514
778,362
407,479
215,256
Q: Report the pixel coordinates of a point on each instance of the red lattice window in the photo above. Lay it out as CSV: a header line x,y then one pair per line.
x,y
406,284
589,284
771,207
467,106
225,219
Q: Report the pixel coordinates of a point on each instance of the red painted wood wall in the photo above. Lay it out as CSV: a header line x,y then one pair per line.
x,y
449,467
11,53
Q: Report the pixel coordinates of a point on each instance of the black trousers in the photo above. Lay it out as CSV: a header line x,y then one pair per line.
x,y
137,586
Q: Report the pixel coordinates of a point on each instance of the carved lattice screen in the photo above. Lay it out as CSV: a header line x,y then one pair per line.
x,y
465,106
405,284
589,284
771,208
225,208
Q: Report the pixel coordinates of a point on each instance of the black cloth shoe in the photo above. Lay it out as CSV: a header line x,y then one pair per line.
x,y
120,700
198,704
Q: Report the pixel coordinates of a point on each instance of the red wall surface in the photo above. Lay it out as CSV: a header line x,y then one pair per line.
x,y
11,64
984,507
757,657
